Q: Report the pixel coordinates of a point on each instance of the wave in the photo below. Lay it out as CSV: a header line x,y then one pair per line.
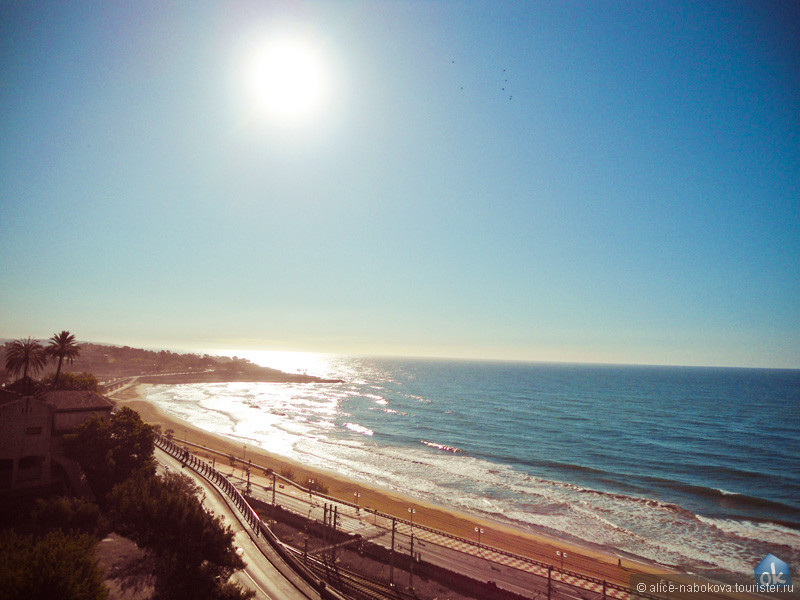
x,y
442,447
732,501
359,429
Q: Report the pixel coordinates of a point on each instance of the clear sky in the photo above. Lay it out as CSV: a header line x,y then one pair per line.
x,y
557,181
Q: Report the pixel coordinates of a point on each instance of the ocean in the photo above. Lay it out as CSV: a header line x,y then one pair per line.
x,y
695,468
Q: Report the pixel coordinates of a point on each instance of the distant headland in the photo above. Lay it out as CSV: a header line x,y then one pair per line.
x,y
109,362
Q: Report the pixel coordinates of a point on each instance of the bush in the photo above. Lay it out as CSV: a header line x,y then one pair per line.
x,y
318,486
71,381
57,565
69,514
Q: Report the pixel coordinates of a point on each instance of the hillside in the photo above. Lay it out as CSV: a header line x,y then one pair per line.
x,y
111,362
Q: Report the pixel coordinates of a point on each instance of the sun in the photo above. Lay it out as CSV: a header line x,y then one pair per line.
x,y
287,79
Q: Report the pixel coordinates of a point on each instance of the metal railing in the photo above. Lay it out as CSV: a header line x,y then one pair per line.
x,y
251,517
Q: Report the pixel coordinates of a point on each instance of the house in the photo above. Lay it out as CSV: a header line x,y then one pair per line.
x,y
26,424
31,427
72,408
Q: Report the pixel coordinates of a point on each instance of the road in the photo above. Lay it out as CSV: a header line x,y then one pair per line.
x,y
260,575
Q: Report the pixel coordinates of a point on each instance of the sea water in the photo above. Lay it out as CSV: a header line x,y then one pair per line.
x,y
697,468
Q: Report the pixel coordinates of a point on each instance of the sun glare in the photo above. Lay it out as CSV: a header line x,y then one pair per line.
x,y
287,79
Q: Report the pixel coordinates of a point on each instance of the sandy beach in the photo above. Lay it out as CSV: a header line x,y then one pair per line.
x,y
584,559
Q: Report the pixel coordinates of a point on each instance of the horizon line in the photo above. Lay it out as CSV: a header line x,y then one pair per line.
x,y
177,348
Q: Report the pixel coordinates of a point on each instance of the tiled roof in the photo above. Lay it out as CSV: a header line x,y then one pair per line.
x,y
7,396
23,385
68,400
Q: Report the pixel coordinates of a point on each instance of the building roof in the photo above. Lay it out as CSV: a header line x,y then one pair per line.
x,y
24,385
7,396
75,400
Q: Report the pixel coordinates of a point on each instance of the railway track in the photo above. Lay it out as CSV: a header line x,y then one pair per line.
x,y
356,585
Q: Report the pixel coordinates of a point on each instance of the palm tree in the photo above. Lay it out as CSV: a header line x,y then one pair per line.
x,y
22,355
62,346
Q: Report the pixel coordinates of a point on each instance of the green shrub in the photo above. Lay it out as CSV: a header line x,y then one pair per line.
x,y
58,565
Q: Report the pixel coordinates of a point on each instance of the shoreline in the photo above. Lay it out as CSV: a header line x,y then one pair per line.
x,y
588,559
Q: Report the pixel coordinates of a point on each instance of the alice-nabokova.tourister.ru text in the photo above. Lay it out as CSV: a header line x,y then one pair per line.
x,y
664,587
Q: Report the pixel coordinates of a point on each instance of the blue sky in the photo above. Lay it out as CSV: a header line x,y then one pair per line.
x,y
558,181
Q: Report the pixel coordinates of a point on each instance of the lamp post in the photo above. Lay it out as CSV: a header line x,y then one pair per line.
x,y
357,495
479,531
412,512
664,584
310,491
563,555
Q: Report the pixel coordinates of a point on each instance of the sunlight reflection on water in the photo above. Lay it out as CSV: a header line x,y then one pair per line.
x,y
311,363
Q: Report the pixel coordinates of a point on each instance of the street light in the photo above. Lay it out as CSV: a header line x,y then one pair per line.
x,y
479,531
357,496
412,512
563,555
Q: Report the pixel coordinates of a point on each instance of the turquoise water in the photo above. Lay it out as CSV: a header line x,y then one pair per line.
x,y
693,467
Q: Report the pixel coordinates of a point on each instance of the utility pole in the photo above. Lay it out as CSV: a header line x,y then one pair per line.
x,y
391,556
333,540
411,568
412,512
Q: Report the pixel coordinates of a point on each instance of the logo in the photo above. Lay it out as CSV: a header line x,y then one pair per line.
x,y
772,571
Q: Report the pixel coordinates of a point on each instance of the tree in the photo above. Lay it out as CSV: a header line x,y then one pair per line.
x,y
25,355
194,549
111,450
57,565
62,346
72,381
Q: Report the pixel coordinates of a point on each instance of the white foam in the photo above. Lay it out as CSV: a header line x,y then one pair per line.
x,y
359,428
